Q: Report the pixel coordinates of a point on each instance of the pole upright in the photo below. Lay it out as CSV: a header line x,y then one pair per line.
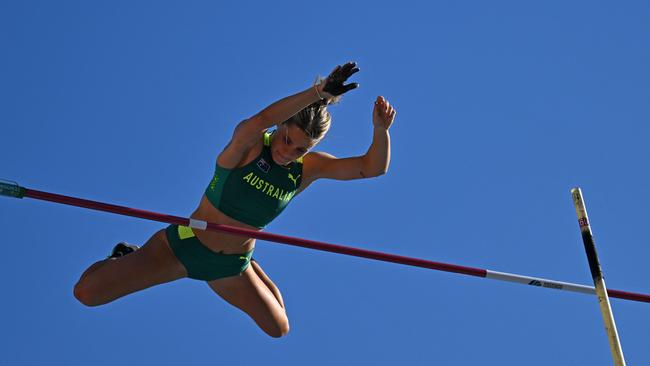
x,y
597,275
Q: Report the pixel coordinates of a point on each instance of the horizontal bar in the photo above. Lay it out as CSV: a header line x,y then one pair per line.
x,y
334,248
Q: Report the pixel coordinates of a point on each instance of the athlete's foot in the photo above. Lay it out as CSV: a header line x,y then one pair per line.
x,y
122,249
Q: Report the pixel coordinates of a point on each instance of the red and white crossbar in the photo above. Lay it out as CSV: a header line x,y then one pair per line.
x,y
19,192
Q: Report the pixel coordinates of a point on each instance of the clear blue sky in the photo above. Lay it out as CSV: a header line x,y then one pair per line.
x,y
503,106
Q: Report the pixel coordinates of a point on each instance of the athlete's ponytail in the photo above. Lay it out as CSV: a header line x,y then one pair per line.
x,y
314,119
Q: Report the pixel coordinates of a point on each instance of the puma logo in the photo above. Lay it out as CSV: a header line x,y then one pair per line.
x,y
294,180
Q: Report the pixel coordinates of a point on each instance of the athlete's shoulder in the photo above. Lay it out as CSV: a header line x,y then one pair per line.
x,y
316,159
313,163
236,155
317,156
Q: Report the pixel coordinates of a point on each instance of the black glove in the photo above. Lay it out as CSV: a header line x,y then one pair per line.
x,y
334,82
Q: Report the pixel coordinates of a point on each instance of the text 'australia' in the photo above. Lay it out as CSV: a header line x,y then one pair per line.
x,y
270,190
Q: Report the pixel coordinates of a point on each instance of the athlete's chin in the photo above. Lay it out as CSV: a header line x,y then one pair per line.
x,y
278,159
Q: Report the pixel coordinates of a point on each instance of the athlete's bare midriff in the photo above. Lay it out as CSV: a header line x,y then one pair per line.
x,y
221,242
228,243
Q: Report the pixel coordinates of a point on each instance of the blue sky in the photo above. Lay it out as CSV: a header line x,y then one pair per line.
x,y
503,106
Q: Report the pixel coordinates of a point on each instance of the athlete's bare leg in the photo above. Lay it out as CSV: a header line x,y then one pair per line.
x,y
255,294
267,281
111,279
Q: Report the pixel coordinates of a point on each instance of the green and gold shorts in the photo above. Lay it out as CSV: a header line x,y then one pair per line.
x,y
200,261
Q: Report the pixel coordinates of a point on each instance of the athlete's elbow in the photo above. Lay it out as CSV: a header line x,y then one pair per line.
x,y
376,172
384,169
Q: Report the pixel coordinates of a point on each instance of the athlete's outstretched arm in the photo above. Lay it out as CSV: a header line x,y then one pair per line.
x,y
284,108
373,163
377,158
248,132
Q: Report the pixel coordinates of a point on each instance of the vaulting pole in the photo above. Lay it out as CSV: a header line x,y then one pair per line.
x,y
597,275
12,189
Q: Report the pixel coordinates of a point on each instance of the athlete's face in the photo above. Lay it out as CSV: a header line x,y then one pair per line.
x,y
289,144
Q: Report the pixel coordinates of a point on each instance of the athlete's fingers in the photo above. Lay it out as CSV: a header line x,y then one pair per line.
x,y
347,88
351,70
334,84
349,67
335,69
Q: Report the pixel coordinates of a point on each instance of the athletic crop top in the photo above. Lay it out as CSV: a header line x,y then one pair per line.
x,y
257,192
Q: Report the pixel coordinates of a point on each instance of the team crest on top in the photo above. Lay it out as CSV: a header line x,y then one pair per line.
x,y
263,165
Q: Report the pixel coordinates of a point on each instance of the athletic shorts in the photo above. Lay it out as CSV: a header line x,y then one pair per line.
x,y
200,261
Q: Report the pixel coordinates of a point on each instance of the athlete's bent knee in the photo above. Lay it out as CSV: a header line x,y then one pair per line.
x,y
86,295
279,329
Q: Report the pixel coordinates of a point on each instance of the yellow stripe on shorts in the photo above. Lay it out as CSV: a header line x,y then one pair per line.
x,y
185,232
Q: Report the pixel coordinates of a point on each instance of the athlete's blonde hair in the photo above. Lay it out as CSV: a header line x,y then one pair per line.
x,y
314,119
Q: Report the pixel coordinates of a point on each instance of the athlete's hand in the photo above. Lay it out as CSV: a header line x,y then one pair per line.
x,y
334,84
383,114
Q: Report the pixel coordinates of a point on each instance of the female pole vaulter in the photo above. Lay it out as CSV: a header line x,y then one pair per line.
x,y
257,174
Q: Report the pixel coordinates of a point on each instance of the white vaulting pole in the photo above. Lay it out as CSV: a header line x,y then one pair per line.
x,y
597,275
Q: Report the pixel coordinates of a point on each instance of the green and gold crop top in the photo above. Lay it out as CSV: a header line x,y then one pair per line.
x,y
257,192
